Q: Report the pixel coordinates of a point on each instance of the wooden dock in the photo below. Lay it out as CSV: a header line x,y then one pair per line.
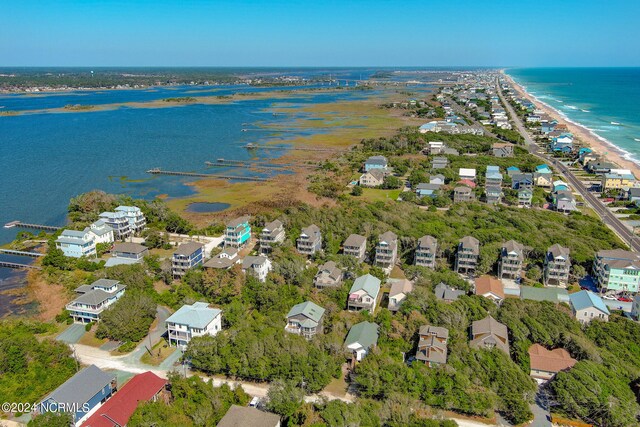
x,y
19,224
21,253
18,265
158,171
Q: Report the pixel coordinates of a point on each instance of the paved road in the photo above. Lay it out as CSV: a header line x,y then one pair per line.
x,y
607,217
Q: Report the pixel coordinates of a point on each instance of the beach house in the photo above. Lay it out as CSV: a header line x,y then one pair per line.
x,y
272,233
493,177
258,266
426,250
525,196
119,223
467,173
432,345
617,270
355,246
387,250
363,294
101,232
439,163
134,215
500,149
362,337
305,319
398,292
116,412
468,255
77,244
488,333
129,253
446,293
543,176
187,256
427,189
545,364
191,321
511,259
586,306
490,287
224,260
237,232
493,194
617,179
376,162
310,240
373,178
329,275
81,393
462,194
522,180
93,299
557,265
243,416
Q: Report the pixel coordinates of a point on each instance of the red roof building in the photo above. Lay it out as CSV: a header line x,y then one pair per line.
x,y
116,411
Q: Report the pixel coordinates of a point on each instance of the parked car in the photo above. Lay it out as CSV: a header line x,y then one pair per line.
x,y
609,297
625,299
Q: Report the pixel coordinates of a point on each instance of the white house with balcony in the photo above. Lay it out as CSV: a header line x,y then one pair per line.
x,y
102,233
134,215
93,299
77,244
192,321
118,222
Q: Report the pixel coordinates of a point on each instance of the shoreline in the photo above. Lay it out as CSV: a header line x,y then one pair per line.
x,y
582,133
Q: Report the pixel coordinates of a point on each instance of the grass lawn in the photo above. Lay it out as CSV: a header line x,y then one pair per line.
x,y
337,386
377,195
397,273
158,354
90,339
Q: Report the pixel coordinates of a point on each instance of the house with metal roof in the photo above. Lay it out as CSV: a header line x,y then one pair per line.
x,y
77,244
187,256
93,299
587,306
488,333
360,339
355,246
81,393
555,295
376,162
246,416
116,412
467,173
364,293
305,319
191,321
432,345
493,177
329,275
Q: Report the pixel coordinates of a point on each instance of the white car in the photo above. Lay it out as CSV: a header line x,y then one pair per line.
x,y
609,297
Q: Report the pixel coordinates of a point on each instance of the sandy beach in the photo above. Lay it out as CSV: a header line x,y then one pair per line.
x,y
583,135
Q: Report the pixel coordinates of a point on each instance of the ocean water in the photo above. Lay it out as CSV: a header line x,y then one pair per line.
x,y
604,100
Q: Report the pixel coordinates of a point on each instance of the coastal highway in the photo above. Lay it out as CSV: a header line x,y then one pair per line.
x,y
603,212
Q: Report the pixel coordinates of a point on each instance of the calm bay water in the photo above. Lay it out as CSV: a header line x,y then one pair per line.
x,y
605,100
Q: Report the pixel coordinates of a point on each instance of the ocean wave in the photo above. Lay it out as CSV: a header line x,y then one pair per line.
x,y
636,139
584,111
572,107
616,123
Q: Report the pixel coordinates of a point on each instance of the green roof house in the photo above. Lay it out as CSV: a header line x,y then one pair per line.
x,y
364,293
361,338
305,319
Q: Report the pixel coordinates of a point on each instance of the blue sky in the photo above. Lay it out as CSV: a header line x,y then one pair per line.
x,y
323,33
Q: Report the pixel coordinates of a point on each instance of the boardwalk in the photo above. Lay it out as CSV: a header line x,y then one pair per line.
x,y
158,171
18,265
21,253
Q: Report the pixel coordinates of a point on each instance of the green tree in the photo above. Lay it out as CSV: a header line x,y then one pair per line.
x,y
284,397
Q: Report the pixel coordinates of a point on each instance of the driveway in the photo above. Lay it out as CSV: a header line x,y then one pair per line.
x,y
72,334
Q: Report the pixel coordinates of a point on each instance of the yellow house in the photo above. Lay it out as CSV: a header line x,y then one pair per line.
x,y
615,181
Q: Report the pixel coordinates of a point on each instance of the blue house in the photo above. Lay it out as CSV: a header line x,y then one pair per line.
x,y
81,393
188,255
429,190
511,170
584,150
237,232
562,143
543,169
522,180
493,177
77,244
547,127
376,162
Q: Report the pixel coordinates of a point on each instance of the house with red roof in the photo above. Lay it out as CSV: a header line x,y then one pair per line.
x,y
116,411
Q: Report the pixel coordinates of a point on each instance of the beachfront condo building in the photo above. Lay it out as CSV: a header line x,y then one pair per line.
x,y
237,232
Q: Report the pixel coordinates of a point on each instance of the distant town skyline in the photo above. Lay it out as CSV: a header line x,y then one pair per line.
x,y
329,33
